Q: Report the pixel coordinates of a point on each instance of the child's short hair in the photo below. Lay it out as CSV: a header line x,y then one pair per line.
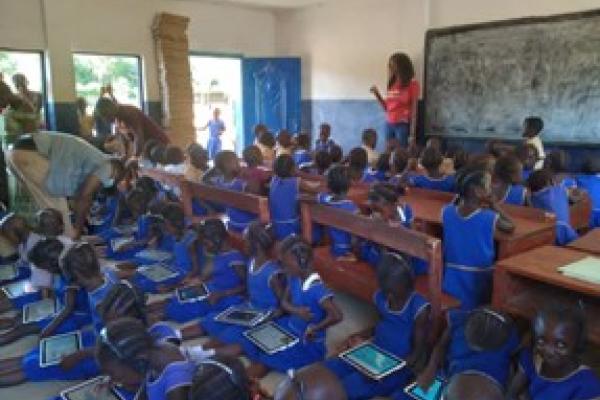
x,y
369,136
260,129
338,179
173,213
459,156
252,156
336,153
358,159
472,385
322,160
567,313
80,260
220,378
124,340
386,192
325,127
45,255
49,222
123,300
260,235
487,329
506,167
284,166
266,139
284,138
534,125
198,156
148,185
393,270
540,179
556,161
431,159
173,155
303,140
299,248
399,160
222,158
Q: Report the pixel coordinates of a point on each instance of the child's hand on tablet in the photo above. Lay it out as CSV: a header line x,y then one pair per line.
x,y
70,361
426,378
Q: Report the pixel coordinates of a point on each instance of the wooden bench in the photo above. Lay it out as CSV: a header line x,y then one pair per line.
x,y
588,243
359,278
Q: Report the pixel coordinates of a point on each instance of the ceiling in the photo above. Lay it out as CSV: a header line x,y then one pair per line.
x,y
266,3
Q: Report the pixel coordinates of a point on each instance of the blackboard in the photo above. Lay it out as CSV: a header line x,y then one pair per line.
x,y
483,80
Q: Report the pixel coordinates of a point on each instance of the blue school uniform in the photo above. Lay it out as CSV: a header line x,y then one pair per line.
x,y
341,241
526,174
591,184
174,376
581,384
515,194
468,255
95,297
283,204
555,199
302,156
80,315
568,182
223,278
311,294
107,217
394,334
238,219
495,364
444,184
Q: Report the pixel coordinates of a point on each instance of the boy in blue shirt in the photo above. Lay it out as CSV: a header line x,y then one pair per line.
x,y
215,127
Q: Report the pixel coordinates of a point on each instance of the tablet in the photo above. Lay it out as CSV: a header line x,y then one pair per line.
x,y
8,272
243,316
372,360
154,255
54,348
40,310
18,289
434,392
117,244
191,294
158,272
271,338
94,389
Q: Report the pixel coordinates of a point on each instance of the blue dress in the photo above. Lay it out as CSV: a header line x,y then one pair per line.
x,y
174,376
238,219
341,241
223,278
310,293
283,204
515,195
302,156
394,334
581,384
568,182
460,357
591,183
468,255
555,199
215,129
444,184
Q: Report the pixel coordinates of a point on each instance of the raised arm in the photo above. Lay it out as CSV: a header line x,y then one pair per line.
x,y
378,97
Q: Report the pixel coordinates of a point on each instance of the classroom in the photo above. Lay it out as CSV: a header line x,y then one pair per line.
x,y
299,199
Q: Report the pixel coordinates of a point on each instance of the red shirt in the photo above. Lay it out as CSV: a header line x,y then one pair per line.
x,y
399,102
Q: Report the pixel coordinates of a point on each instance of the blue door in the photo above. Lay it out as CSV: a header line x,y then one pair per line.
x,y
271,92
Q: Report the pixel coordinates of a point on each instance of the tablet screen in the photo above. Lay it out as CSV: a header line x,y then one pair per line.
x,y
119,243
243,316
271,338
54,348
192,293
17,289
157,273
39,310
433,393
94,389
154,255
372,360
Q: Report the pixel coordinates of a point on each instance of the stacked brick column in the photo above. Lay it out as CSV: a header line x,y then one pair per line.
x,y
174,75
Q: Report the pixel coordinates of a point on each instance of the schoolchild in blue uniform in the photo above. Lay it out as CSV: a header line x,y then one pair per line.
x,y
481,341
215,127
434,179
552,368
104,215
228,165
401,330
338,183
324,142
222,378
590,182
506,182
468,239
284,193
131,356
555,199
221,272
358,167
556,163
302,153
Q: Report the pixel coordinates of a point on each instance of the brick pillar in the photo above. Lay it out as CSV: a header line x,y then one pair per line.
x,y
174,75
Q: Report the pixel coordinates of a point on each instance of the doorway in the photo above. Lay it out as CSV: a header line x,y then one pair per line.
x,y
217,83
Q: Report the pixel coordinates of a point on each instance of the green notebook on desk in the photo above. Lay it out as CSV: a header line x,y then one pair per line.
x,y
586,269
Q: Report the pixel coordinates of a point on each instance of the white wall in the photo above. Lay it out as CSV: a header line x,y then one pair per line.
x,y
124,26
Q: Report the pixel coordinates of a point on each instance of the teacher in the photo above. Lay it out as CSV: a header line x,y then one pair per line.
x,y
400,103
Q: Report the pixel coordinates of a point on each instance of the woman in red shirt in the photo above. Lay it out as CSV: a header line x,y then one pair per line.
x,y
400,104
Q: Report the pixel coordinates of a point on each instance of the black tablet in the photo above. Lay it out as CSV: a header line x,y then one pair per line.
x,y
237,315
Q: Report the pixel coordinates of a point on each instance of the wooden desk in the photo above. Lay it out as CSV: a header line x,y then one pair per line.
x,y
581,213
589,243
530,280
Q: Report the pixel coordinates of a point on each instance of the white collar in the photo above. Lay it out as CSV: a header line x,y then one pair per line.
x,y
312,278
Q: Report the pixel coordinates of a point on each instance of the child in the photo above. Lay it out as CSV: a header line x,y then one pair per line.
x,y
222,378
146,153
532,130
302,154
324,142
481,341
338,183
552,368
556,163
431,160
358,166
506,186
215,127
472,386
130,355
174,159
459,157
468,239
555,199
401,331
590,182
284,192
196,163
259,129
382,168
284,143
266,144
314,382
528,154
255,174
311,311
399,166
369,143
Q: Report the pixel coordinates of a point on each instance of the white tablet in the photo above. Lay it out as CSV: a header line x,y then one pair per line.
x,y
117,244
18,289
433,393
192,294
94,389
40,310
158,272
238,315
54,348
154,255
372,361
271,338
8,272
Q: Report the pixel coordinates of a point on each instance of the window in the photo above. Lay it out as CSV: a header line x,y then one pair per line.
x,y
94,71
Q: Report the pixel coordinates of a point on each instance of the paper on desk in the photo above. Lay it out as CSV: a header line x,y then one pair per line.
x,y
586,269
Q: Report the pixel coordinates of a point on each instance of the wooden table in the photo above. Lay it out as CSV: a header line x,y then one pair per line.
x,y
528,281
589,243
